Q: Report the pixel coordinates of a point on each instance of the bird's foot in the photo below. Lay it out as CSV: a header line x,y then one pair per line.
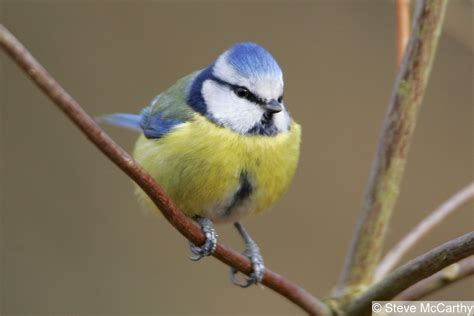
x,y
252,251
209,245
258,267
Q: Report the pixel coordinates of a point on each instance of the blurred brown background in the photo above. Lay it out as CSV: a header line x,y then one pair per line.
x,y
73,238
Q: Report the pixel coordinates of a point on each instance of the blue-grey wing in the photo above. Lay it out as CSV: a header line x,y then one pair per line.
x,y
156,124
165,112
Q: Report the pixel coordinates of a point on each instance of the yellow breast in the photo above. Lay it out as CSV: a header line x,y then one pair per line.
x,y
201,166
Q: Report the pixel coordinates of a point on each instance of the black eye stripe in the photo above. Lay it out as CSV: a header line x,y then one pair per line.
x,y
251,96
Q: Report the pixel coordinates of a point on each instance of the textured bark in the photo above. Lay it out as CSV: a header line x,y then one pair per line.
x,y
389,164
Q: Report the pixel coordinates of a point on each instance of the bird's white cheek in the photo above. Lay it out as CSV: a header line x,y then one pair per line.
x,y
229,110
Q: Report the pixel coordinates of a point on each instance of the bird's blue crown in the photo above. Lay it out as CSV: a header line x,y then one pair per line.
x,y
251,60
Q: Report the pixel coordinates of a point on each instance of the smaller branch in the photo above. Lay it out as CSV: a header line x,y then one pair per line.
x,y
125,162
413,272
388,166
443,278
403,28
422,229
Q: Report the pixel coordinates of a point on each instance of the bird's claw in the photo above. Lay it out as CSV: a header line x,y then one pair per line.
x,y
209,245
258,267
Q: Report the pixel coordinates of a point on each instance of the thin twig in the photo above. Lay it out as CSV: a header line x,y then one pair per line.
x,y
412,272
389,164
403,28
422,229
122,159
441,279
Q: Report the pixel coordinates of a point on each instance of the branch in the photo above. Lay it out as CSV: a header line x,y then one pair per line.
x,y
389,164
443,278
403,28
122,159
412,272
422,229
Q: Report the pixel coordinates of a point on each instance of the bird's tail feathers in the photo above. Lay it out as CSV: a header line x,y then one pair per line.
x,y
127,120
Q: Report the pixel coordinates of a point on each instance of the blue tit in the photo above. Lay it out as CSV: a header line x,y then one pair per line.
x,y
222,144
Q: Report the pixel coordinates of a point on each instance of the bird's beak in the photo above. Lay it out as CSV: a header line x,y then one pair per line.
x,y
273,107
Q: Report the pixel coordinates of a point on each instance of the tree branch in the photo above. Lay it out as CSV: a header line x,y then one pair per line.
x,y
122,159
387,169
441,279
422,229
412,272
403,28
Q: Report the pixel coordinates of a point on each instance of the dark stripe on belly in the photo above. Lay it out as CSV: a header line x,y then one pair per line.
x,y
244,191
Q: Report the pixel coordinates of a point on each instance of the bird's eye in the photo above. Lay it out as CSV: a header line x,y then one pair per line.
x,y
280,99
242,92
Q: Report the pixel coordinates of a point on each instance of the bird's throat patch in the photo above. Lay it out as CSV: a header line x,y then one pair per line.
x,y
266,126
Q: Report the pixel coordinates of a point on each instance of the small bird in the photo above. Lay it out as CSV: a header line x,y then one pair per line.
x,y
221,143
